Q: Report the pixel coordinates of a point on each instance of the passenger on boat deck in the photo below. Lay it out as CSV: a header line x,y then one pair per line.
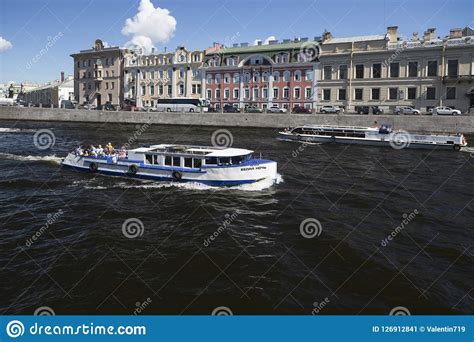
x,y
122,153
109,148
100,151
375,125
78,151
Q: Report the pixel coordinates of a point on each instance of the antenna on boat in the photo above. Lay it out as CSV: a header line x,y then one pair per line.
x,y
260,155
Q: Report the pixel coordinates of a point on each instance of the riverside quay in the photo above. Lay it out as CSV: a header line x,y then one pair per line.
x,y
386,70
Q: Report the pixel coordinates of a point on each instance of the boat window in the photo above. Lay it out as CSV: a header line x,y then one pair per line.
x,y
188,162
197,163
211,161
237,159
155,160
176,161
168,160
297,131
149,159
224,160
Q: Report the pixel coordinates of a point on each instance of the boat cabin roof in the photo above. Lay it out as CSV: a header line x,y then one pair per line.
x,y
333,127
205,151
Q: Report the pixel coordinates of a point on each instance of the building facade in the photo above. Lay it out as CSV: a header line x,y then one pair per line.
x,y
52,93
389,71
149,77
99,75
280,74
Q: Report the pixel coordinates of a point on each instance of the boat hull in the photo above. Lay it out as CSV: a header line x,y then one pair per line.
x,y
251,172
366,142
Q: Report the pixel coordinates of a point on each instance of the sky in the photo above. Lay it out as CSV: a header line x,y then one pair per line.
x,y
38,36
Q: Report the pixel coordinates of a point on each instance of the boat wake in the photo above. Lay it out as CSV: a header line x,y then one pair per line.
x,y
48,159
467,149
14,130
145,184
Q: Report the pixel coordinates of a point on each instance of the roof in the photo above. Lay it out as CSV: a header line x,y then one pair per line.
x,y
194,150
66,83
264,48
354,39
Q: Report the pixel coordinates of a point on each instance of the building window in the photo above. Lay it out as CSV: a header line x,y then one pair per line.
x,y
227,78
359,71
181,89
218,94
152,75
236,77
375,93
286,76
265,92
297,93
160,89
170,90
275,93
152,90
297,76
326,94
286,93
265,77
209,79
358,93
432,68
412,69
209,94
256,77
181,72
255,92
431,93
393,93
236,93
376,70
327,72
112,85
247,93
343,72
143,90
218,78
309,75
394,69
450,93
308,93
411,93
106,85
452,67
276,76
341,96
226,93
193,89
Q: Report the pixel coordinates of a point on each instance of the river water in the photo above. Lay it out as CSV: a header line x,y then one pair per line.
x,y
315,243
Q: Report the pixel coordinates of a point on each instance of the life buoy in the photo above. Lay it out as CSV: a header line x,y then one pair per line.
x,y
176,176
456,147
333,139
132,170
93,167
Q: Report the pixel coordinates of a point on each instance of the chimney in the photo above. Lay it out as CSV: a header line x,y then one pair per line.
x,y
455,33
152,50
259,42
326,36
273,42
392,34
429,34
62,76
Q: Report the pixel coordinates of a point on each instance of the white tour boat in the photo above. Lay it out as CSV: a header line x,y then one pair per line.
x,y
209,165
382,135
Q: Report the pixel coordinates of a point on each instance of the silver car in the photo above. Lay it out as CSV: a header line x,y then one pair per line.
x,y
406,110
446,111
330,109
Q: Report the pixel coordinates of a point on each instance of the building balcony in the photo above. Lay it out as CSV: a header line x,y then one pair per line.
x,y
458,78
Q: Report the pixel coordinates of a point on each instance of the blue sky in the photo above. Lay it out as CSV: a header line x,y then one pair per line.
x,y
30,24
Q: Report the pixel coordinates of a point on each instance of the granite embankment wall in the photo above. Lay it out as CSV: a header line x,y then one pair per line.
x,y
427,123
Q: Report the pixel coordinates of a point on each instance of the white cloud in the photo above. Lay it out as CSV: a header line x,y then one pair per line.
x,y
265,42
149,26
4,44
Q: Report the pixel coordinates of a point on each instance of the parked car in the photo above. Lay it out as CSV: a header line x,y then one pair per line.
x,y
87,106
108,106
368,109
330,109
301,110
446,111
145,109
68,104
213,110
253,109
406,110
276,109
230,109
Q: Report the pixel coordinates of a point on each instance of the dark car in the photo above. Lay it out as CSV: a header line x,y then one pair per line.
x,y
368,109
106,106
301,110
230,109
212,110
